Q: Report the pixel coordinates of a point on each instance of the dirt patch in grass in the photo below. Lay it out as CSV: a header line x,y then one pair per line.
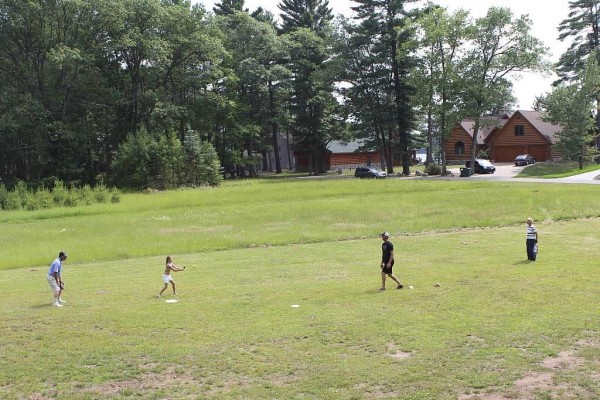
x,y
181,385
396,353
378,392
149,381
546,383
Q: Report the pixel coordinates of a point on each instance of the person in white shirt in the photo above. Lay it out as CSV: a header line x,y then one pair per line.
x,y
532,239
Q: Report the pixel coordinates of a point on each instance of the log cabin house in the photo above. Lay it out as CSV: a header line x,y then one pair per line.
x,y
348,155
504,136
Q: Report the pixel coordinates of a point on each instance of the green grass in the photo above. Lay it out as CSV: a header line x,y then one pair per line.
x,y
556,170
265,213
234,334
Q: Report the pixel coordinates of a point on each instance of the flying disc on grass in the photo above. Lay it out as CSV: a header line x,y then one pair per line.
x,y
172,301
295,305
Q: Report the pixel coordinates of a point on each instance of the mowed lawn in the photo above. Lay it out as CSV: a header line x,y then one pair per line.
x,y
497,327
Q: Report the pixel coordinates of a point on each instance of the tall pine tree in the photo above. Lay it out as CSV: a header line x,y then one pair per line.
x,y
312,14
312,105
226,7
382,21
583,27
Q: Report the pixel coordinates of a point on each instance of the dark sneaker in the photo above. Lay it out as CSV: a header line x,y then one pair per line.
x,y
381,289
400,286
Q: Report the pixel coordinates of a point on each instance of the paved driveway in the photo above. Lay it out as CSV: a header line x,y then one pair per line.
x,y
508,171
503,170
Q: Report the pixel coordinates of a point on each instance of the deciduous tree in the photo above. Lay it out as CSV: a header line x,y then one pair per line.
x,y
501,45
573,106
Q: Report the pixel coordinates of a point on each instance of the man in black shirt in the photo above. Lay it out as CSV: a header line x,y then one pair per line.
x,y
387,261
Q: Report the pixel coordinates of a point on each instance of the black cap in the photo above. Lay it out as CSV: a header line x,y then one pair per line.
x,y
62,254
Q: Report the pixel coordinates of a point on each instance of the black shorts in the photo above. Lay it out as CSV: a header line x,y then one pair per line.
x,y
387,270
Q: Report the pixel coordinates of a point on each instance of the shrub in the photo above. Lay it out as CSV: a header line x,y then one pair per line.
x,y
22,197
59,193
101,193
72,199
433,169
42,198
3,194
131,163
12,201
86,195
483,154
115,196
203,165
162,162
144,161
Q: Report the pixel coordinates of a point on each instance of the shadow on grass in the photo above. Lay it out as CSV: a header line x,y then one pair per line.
x,y
522,262
42,305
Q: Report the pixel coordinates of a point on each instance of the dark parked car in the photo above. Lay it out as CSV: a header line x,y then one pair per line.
x,y
482,166
524,159
369,172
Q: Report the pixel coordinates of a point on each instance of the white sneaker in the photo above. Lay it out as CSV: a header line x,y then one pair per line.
x,y
61,301
57,305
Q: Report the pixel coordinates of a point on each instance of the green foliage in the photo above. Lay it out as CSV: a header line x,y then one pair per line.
x,y
313,106
202,162
3,195
101,70
147,161
572,106
499,44
483,154
60,193
21,197
378,57
314,15
581,28
130,167
13,201
226,7
433,169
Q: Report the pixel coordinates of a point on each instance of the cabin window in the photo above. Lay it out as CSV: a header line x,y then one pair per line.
x,y
459,148
519,130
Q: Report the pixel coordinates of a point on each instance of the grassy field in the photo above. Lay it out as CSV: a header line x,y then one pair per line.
x,y
497,328
556,170
263,213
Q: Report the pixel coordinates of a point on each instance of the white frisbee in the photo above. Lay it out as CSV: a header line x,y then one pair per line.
x,y
295,305
172,301
410,287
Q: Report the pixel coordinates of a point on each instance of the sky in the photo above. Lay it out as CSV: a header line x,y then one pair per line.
x,y
545,16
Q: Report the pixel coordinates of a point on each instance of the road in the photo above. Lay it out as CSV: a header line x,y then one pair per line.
x,y
508,171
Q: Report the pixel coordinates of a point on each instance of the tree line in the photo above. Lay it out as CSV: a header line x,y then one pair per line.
x,y
164,93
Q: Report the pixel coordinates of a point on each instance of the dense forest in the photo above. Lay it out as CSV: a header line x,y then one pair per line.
x,y
164,93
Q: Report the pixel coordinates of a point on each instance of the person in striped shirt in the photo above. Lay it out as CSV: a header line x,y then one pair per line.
x,y
532,239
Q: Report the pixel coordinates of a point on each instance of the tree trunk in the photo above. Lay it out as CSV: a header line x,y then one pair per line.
x,y
383,149
404,151
289,151
274,129
429,157
474,141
